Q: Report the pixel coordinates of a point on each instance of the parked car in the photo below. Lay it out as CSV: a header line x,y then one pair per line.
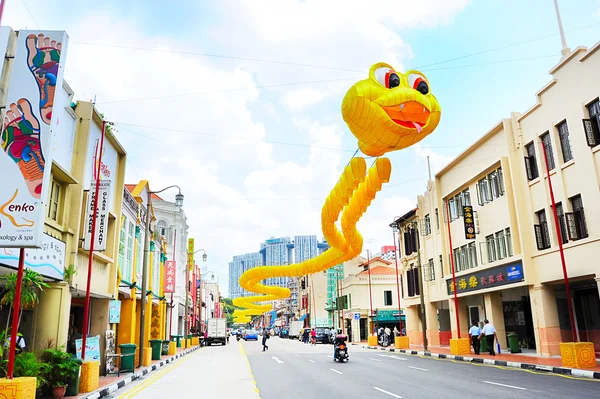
x,y
322,335
250,335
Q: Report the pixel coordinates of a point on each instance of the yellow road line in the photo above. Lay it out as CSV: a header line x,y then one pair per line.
x,y
140,387
250,369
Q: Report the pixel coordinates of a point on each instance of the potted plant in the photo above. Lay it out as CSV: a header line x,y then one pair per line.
x,y
59,367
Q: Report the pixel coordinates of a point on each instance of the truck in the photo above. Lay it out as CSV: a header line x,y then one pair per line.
x,y
217,331
295,327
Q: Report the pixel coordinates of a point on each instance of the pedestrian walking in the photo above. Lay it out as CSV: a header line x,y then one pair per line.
x,y
313,336
205,337
305,335
396,332
490,335
265,337
475,332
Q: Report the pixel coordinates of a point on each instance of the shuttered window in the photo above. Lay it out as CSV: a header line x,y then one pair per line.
x,y
565,141
547,146
530,162
592,126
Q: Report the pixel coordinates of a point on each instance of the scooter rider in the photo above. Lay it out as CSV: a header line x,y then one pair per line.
x,y
339,339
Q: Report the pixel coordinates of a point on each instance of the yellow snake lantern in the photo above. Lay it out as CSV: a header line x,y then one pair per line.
x,y
386,112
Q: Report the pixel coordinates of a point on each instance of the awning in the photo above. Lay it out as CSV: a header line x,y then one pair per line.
x,y
303,317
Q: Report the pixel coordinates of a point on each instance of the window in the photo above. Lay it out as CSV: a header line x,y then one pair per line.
x,y
530,162
429,271
472,254
437,219
442,266
456,204
410,242
562,223
412,278
542,235
509,247
490,187
54,200
592,125
387,298
565,141
129,258
547,147
122,248
491,248
501,244
577,227
427,225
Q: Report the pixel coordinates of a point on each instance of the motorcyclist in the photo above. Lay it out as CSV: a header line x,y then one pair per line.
x,y
340,338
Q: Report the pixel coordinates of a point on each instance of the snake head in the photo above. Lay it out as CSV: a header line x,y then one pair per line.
x,y
390,110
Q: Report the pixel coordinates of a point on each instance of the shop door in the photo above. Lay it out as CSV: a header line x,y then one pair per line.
x,y
518,319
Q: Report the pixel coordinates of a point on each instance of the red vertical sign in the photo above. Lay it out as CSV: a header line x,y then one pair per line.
x,y
170,276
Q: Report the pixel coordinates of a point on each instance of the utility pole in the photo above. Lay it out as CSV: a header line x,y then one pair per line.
x,y
420,277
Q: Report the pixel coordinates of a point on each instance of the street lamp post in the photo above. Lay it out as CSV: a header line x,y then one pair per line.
x,y
179,204
395,230
201,299
187,290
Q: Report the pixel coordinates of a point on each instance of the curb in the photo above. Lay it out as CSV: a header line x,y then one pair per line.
x,y
579,373
108,389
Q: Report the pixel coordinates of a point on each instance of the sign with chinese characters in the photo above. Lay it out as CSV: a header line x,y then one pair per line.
x,y
493,277
114,311
170,269
101,216
190,261
469,222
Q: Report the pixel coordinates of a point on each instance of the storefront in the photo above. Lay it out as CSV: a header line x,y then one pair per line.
x,y
388,318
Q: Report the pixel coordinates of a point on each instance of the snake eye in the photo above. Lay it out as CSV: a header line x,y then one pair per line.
x,y
387,78
418,83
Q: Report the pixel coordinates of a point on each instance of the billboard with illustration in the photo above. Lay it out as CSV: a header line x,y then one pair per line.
x,y
25,137
49,260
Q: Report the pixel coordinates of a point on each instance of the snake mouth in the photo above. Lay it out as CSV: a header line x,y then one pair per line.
x,y
411,114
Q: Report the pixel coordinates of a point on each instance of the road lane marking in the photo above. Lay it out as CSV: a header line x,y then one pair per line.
x,y
392,357
312,361
504,385
375,360
277,360
417,368
297,354
335,371
388,392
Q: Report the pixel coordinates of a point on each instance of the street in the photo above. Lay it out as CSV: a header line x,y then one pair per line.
x,y
290,369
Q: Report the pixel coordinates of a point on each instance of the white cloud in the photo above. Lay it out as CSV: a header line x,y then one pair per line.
x,y
240,191
437,160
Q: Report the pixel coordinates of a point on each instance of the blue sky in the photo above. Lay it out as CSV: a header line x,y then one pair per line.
x,y
217,130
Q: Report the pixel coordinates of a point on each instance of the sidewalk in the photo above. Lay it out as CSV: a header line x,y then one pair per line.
x,y
111,383
506,359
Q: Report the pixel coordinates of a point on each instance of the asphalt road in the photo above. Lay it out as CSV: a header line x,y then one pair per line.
x,y
290,369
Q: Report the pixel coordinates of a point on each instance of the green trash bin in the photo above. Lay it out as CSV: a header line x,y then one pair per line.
x,y
128,358
513,343
156,345
73,383
483,345
165,347
177,338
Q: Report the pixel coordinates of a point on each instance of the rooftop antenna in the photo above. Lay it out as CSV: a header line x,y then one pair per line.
x,y
429,167
565,49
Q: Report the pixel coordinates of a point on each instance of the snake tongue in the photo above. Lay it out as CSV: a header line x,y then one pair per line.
x,y
417,126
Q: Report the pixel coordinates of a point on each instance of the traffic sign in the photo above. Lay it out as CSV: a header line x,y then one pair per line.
x,y
356,316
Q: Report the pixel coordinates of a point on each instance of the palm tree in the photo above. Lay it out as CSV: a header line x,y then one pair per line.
x,y
33,283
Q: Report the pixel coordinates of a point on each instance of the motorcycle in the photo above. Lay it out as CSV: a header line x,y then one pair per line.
x,y
341,352
237,336
384,340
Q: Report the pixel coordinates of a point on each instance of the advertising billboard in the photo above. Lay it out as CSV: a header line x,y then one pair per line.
x,y
25,138
48,261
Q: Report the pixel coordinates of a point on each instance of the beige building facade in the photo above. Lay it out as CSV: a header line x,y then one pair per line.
x,y
505,250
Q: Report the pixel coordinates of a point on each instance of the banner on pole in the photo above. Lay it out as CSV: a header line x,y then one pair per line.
x,y
114,311
92,348
170,271
190,262
101,216
25,137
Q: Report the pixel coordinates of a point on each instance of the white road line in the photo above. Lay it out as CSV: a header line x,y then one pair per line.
x,y
387,392
375,360
335,371
392,357
504,385
297,354
312,361
417,368
277,360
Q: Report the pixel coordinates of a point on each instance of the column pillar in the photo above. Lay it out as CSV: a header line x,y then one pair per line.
x,y
355,324
545,320
52,314
413,325
495,314
127,326
463,319
433,334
